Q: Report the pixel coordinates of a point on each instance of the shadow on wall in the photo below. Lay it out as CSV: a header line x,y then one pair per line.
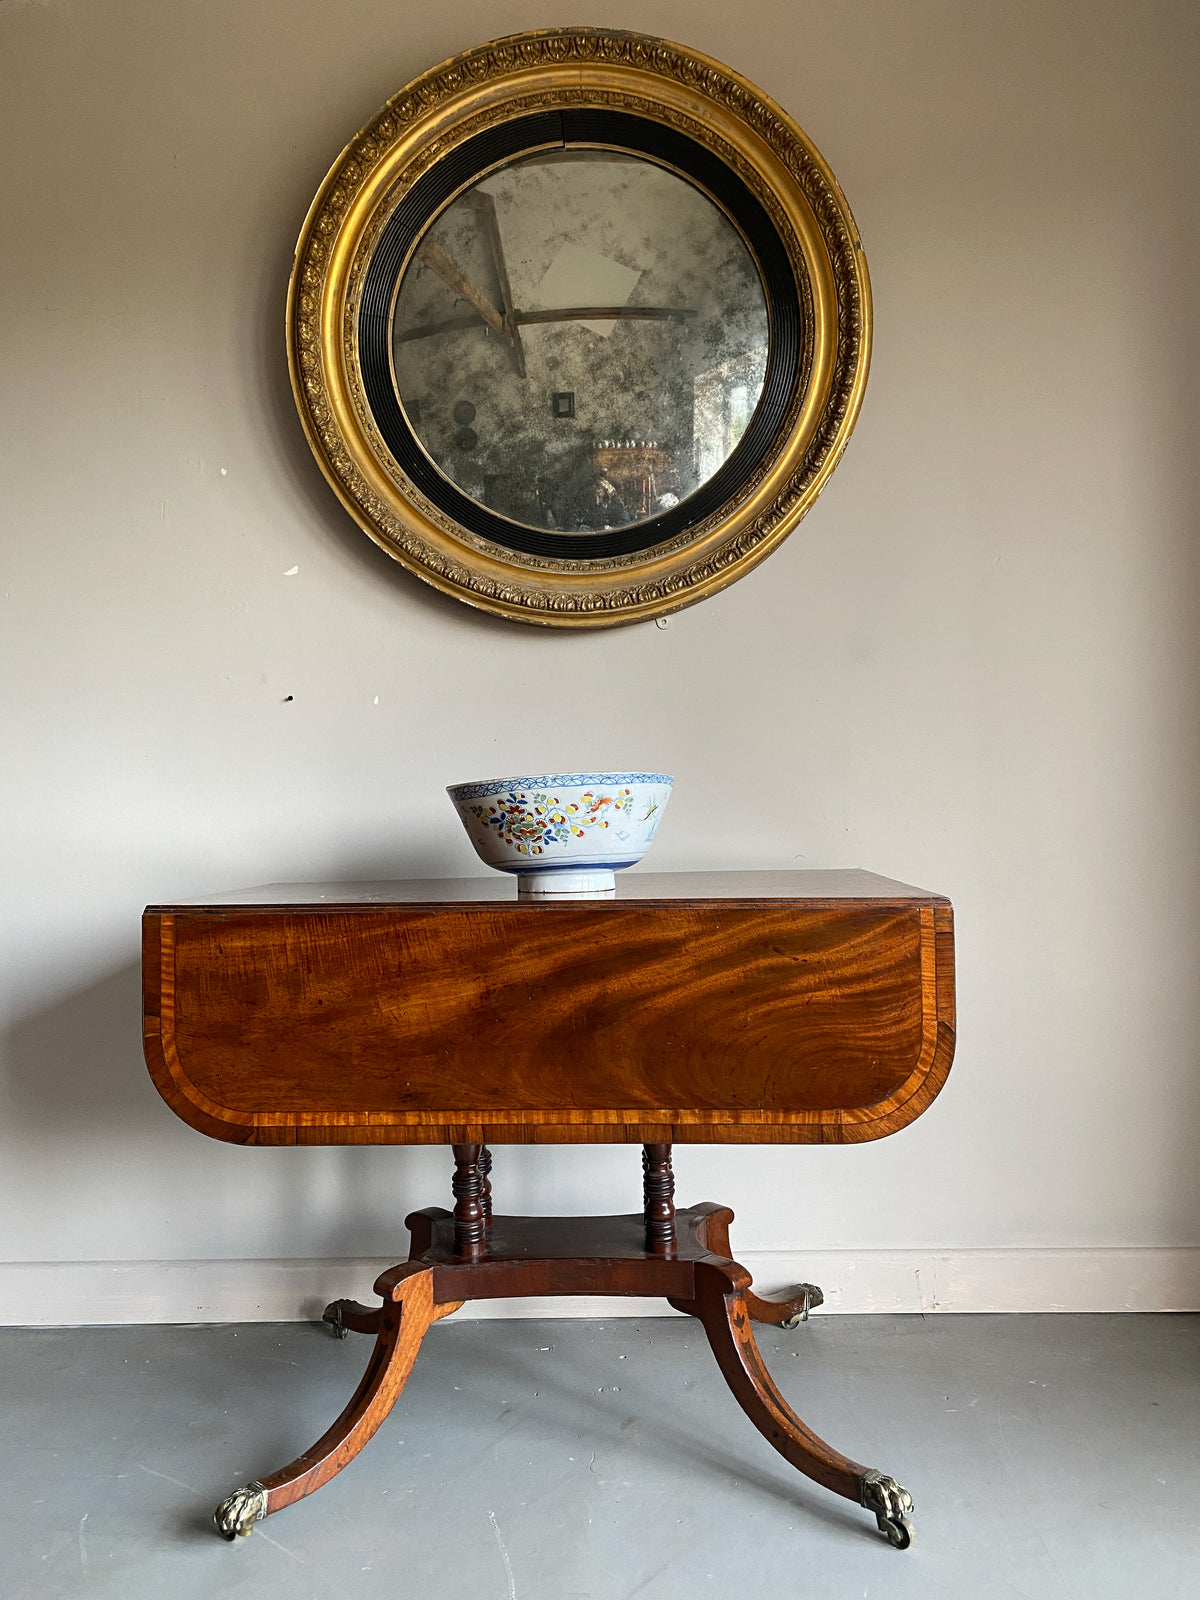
x,y
72,1067
77,1084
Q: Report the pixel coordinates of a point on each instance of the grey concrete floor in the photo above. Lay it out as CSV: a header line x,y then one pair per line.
x,y
1048,1457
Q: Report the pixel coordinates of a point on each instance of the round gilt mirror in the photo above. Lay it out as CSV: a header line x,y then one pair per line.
x,y
579,326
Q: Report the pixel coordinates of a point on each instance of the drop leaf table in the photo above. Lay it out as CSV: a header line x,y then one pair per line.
x,y
727,1007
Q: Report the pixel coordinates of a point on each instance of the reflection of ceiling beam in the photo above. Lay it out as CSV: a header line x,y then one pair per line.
x,y
485,209
567,314
449,271
607,313
426,330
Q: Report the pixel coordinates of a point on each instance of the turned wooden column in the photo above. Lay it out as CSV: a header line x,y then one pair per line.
x,y
470,1218
658,1190
485,1167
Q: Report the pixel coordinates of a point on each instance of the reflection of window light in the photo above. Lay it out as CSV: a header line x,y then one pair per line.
x,y
739,413
724,402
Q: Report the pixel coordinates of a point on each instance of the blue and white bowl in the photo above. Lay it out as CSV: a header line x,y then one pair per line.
x,y
563,832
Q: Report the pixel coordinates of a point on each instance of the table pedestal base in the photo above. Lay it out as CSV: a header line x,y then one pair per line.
x,y
468,1255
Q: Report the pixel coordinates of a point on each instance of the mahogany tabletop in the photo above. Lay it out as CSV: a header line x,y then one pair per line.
x,y
716,1007
841,883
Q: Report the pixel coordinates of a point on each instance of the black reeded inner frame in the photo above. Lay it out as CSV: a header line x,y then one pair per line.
x,y
546,130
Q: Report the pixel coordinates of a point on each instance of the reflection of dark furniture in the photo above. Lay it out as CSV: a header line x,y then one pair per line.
x,y
640,473
800,1007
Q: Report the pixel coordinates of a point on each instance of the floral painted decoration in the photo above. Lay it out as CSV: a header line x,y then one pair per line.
x,y
530,822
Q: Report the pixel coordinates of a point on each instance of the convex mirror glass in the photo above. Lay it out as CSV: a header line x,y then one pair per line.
x,y
579,340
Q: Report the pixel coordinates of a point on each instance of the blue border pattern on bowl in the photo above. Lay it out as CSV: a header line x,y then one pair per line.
x,y
547,780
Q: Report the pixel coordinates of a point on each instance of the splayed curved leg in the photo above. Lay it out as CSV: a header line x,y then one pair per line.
x,y
350,1316
407,1312
786,1310
720,1305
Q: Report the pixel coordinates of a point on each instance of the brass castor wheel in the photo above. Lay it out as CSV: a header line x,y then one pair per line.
x,y
332,1315
900,1532
892,1505
811,1297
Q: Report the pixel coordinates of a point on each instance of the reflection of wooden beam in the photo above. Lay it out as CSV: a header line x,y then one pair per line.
x,y
426,330
444,264
607,313
570,314
485,207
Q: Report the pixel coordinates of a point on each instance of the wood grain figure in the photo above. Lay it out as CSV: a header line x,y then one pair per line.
x,y
786,1015
739,1007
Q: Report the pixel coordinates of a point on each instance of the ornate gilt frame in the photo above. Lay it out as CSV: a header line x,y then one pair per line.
x,y
429,120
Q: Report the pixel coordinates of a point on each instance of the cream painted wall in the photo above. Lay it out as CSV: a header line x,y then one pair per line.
x,y
975,666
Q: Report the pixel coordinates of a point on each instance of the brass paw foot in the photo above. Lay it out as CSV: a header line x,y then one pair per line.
x,y
809,1296
892,1506
347,1316
332,1314
235,1517
786,1310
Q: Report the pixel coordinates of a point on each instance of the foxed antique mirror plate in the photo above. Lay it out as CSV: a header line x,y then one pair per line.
x,y
602,279
579,326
